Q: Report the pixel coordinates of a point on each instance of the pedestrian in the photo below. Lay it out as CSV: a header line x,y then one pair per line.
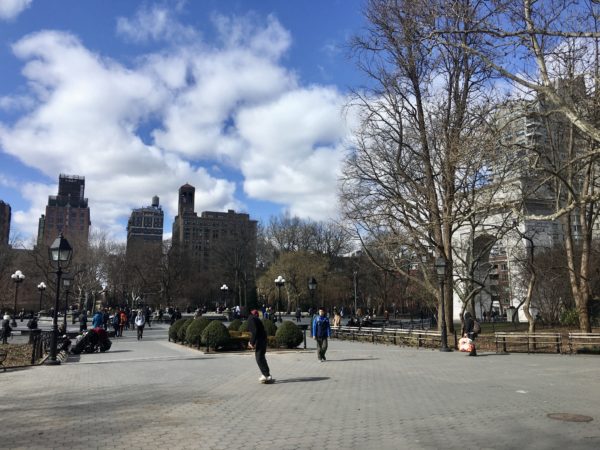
x,y
116,322
469,324
98,319
148,316
123,322
298,314
6,329
105,319
140,321
321,330
337,319
258,342
83,321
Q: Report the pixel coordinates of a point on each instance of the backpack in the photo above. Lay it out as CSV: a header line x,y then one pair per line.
x,y
476,327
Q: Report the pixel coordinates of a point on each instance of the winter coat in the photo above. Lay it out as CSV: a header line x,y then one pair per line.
x,y
321,328
256,329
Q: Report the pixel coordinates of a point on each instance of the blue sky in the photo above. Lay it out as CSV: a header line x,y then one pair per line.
x,y
242,99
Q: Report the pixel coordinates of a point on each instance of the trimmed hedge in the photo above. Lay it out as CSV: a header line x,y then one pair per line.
x,y
174,329
270,327
235,325
215,335
243,326
181,337
195,329
288,335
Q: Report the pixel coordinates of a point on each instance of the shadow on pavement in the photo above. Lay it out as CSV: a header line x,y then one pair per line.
x,y
352,359
301,380
119,351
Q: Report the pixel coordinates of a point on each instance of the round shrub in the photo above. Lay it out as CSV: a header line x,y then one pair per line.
x,y
182,330
243,326
195,329
215,335
235,325
270,327
174,329
288,335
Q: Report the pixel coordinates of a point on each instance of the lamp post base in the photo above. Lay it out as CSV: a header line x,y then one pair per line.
x,y
445,349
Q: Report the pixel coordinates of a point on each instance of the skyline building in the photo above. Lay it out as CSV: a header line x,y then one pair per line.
x,y
5,216
145,228
220,246
68,212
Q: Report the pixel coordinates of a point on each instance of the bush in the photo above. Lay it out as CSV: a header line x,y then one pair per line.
x,y
235,325
288,335
215,335
270,327
570,318
243,326
174,329
181,337
195,329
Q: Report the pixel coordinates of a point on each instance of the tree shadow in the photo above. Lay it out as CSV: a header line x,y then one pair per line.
x,y
301,380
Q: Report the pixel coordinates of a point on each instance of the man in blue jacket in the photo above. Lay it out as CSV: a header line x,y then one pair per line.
x,y
321,330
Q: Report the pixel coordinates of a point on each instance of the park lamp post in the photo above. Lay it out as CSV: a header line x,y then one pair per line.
x,y
59,253
224,290
18,278
67,285
279,282
312,287
440,268
41,287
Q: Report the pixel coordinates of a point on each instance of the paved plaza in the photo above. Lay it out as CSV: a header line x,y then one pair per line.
x,y
154,394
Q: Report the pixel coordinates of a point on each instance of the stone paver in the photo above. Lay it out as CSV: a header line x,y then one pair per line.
x,y
155,394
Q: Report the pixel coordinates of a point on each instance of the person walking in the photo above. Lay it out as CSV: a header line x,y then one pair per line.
x,y
469,332
140,321
6,329
321,330
298,314
258,342
98,319
116,321
83,321
123,322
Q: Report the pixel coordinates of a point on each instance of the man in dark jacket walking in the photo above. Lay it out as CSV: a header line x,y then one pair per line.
x,y
321,330
258,341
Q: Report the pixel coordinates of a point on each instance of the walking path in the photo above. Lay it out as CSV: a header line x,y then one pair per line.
x,y
153,394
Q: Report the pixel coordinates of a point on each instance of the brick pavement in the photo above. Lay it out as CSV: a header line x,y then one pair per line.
x,y
154,394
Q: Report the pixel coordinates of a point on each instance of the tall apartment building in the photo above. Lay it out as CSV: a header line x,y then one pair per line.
x,y
220,243
4,222
67,212
145,229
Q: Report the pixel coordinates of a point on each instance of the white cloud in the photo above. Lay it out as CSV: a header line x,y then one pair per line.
x,y
155,23
232,103
10,9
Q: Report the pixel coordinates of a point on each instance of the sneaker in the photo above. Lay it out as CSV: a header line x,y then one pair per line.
x,y
324,359
262,379
269,378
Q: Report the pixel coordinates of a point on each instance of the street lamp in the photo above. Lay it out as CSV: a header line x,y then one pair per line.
x,y
18,278
279,282
59,253
41,287
67,284
312,286
440,268
224,290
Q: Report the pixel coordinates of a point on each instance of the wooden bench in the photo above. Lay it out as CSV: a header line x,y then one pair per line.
x,y
3,355
393,335
583,339
533,341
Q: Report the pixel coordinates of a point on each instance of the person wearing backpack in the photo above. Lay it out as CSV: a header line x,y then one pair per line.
x,y
321,330
140,321
116,323
469,331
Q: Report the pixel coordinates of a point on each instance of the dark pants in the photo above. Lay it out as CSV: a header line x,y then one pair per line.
x,y
140,332
472,336
321,347
259,352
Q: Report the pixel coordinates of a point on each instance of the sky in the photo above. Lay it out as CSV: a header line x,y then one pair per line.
x,y
243,99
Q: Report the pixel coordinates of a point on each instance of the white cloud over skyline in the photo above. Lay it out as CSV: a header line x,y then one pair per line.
x,y
10,9
144,127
